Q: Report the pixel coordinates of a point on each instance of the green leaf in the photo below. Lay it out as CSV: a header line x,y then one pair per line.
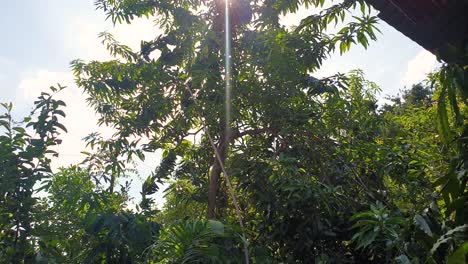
x,y
4,123
402,259
459,256
442,118
367,239
457,204
19,129
60,112
62,127
362,215
421,222
216,227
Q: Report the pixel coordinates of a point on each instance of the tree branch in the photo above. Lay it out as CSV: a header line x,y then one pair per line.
x,y
250,132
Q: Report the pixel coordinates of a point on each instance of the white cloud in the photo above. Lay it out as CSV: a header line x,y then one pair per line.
x,y
418,67
83,36
3,61
80,121
293,19
82,40
31,86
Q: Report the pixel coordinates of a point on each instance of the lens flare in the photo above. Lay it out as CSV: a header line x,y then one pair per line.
x,y
227,70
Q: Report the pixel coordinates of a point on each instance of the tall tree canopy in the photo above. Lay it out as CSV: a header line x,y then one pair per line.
x,y
148,92
320,172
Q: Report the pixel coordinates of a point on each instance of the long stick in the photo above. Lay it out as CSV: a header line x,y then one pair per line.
x,y
226,176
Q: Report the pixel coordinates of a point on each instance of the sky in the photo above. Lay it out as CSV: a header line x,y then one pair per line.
x,y
41,37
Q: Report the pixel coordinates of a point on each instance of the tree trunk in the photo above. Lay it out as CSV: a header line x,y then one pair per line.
x,y
216,171
223,146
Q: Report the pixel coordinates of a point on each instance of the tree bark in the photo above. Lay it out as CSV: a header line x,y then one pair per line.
x,y
223,146
216,171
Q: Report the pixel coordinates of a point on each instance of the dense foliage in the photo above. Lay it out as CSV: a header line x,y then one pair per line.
x,y
321,173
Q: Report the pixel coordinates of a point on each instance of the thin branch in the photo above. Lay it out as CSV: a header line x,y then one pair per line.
x,y
194,133
226,176
251,132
